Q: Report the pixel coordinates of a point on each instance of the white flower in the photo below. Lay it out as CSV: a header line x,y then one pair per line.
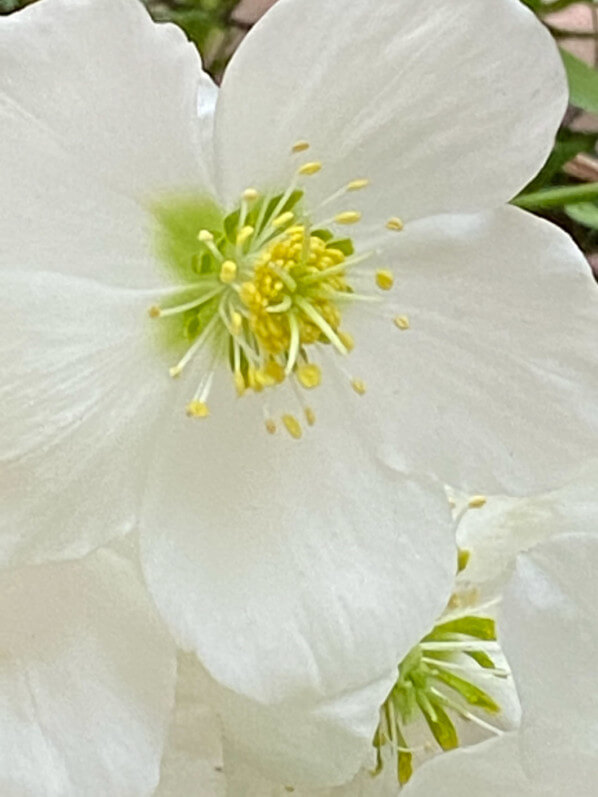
x,y
550,630
299,571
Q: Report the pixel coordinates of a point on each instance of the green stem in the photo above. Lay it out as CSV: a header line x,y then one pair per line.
x,y
557,197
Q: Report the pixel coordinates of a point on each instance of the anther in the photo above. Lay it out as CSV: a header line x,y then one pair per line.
x,y
310,168
477,501
236,323
310,416
348,217
292,426
175,371
240,384
270,425
283,219
300,146
402,322
357,185
309,375
204,236
244,234
359,386
384,279
250,194
228,272
197,409
154,311
395,224
346,339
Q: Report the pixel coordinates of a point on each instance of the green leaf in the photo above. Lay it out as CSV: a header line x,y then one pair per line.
x,y
585,213
567,146
583,83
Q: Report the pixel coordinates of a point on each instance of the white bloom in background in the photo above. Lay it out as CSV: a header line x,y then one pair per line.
x,y
258,247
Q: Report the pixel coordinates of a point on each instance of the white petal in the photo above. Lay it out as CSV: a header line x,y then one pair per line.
x,y
295,569
86,681
192,761
550,632
504,527
82,383
494,387
420,96
98,118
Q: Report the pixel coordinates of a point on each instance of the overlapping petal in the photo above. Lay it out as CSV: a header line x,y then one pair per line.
x,y
420,96
87,676
295,569
82,387
494,386
101,106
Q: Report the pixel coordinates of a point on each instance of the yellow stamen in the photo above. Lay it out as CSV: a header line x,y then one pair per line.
x,y
197,409
395,224
236,323
309,375
275,371
240,385
244,234
384,279
292,426
357,185
228,272
348,217
359,386
204,236
477,501
250,194
300,146
283,219
154,311
270,425
310,416
402,322
310,168
346,339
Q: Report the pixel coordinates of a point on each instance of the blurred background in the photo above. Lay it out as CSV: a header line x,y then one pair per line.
x,y
566,191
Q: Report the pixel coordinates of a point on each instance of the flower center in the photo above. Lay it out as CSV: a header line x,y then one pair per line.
x,y
264,289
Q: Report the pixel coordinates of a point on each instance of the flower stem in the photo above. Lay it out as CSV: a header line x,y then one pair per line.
x,y
557,197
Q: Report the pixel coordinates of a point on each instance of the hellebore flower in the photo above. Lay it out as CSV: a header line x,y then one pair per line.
x,y
181,267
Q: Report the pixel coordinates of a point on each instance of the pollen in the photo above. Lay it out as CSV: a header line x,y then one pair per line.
x,y
283,219
270,425
310,416
250,194
228,272
154,311
244,234
402,322
309,375
346,339
395,224
300,146
204,236
359,386
292,426
384,279
197,409
348,217
477,501
357,185
310,168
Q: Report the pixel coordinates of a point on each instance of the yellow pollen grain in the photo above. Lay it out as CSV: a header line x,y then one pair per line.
x,y
357,185
228,272
402,322
197,409
275,371
240,385
359,386
348,217
270,425
300,146
244,234
154,311
283,219
250,194
346,339
309,375
384,279
310,168
477,501
205,236
292,426
395,224
310,416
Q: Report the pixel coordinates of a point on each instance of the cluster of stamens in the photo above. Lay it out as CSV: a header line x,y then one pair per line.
x,y
268,292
